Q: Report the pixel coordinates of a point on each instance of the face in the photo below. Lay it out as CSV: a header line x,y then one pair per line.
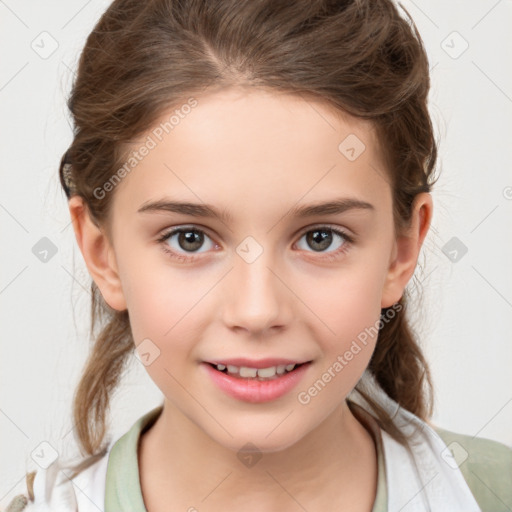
x,y
258,279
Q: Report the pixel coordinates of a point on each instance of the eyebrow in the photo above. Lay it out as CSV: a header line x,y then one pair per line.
x,y
332,207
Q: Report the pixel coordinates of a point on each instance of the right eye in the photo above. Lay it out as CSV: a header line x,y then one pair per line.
x,y
189,239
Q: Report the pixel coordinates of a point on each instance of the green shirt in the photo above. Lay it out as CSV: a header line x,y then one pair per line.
x,y
487,469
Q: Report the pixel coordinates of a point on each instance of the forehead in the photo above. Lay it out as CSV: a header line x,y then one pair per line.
x,y
254,149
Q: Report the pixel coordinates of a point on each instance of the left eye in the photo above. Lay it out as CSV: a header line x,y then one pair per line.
x,y
321,238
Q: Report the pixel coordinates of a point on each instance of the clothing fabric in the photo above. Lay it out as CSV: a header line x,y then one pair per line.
x,y
437,471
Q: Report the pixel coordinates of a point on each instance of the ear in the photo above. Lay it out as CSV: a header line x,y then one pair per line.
x,y
98,254
406,250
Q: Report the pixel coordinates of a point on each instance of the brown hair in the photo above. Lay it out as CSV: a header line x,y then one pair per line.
x,y
359,56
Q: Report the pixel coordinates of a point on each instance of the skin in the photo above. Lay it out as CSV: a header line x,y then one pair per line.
x,y
255,154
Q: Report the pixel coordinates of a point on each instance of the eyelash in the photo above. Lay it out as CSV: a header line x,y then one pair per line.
x,y
348,241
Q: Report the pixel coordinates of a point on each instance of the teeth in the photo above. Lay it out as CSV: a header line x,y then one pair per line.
x,y
248,372
265,373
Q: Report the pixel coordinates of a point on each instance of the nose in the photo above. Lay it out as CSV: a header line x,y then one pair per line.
x,y
256,298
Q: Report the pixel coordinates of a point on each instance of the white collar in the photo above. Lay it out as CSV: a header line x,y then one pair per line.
x,y
55,492
422,476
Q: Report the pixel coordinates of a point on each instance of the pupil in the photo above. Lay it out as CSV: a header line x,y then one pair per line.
x,y
322,237
190,237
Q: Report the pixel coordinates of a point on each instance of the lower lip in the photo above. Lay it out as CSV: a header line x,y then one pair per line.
x,y
253,390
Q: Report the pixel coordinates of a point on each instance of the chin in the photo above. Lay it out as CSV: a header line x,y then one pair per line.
x,y
259,440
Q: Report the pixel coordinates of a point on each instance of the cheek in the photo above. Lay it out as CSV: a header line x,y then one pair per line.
x,y
167,313
153,304
158,309
347,311
347,301
164,320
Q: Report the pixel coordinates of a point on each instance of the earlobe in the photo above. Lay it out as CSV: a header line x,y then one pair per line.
x,y
98,254
406,250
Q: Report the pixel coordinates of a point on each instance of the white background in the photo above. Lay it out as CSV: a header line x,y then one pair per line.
x,y
465,320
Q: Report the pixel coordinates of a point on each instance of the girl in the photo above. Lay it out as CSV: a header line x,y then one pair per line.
x,y
249,184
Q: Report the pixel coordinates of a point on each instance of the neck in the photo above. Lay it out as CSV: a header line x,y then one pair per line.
x,y
181,464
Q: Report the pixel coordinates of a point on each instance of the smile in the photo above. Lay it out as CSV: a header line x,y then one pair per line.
x,y
255,385
245,372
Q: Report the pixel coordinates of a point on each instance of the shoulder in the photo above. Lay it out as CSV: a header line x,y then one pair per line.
x,y
79,487
486,466
58,487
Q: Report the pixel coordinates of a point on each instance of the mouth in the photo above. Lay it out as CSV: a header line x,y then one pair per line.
x,y
259,373
253,381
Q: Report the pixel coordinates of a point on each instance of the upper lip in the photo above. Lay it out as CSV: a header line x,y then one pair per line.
x,y
255,363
